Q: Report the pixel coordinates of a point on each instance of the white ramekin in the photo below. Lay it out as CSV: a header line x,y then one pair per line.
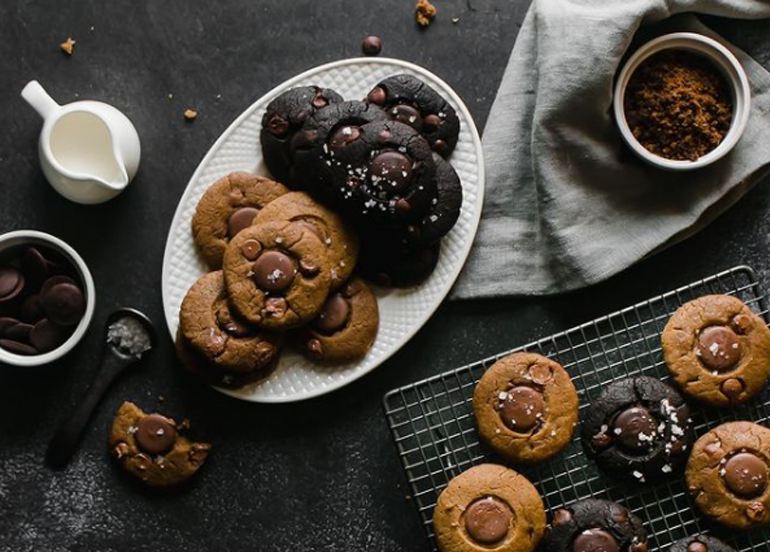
x,y
723,60
33,237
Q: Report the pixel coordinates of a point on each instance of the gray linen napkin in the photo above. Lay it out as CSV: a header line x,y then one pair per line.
x,y
566,206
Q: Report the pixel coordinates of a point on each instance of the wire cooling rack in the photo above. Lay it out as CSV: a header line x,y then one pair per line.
x,y
434,428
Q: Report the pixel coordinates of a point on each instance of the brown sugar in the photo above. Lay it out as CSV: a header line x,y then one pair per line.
x,y
678,105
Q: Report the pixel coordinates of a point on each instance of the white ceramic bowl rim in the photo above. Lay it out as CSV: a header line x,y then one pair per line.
x,y
21,237
723,59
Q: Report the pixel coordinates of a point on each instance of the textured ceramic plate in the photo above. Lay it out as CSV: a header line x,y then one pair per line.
x,y
402,312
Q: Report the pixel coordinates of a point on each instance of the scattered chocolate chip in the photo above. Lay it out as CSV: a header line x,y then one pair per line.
x,y
250,249
741,324
334,315
440,147
278,126
403,206
371,45
431,122
408,115
561,517
314,348
696,546
377,96
240,219
732,388
344,136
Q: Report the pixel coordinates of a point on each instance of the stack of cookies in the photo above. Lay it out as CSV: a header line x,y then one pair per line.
x,y
281,272
380,163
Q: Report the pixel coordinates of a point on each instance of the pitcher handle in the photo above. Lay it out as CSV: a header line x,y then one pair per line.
x,y
38,98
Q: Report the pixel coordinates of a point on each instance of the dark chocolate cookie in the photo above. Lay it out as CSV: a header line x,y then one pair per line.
x,y
444,209
283,117
389,264
329,140
408,99
638,427
700,543
595,524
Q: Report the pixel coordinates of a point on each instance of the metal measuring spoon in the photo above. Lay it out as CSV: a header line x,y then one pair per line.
x,y
129,336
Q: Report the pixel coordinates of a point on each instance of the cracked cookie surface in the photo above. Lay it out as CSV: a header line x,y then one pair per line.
x,y
277,274
639,428
489,507
728,474
526,407
151,448
717,350
228,206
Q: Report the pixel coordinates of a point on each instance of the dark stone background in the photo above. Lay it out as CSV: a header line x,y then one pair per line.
x,y
320,475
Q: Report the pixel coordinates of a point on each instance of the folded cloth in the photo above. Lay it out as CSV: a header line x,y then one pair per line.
x,y
566,205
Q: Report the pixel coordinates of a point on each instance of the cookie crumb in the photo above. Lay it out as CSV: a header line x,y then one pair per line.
x,y
68,46
190,114
424,12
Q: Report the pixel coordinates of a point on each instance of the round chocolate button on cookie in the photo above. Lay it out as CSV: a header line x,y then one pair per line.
x,y
273,291
228,206
727,474
346,327
155,434
638,428
595,525
283,119
526,407
700,543
409,100
224,344
489,507
338,237
717,350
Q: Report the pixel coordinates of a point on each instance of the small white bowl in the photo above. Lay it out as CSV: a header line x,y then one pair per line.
x,y
723,60
33,237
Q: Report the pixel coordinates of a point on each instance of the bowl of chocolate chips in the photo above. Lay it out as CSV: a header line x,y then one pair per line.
x,y
46,298
681,101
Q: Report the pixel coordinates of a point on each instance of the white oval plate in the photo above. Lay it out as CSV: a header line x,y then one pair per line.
x,y
402,311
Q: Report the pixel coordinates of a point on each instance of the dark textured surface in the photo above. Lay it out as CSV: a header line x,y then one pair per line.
x,y
321,475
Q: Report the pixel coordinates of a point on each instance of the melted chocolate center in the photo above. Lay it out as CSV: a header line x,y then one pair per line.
x,y
522,408
718,348
487,520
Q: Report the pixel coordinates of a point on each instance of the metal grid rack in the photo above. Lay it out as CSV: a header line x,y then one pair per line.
x,y
434,429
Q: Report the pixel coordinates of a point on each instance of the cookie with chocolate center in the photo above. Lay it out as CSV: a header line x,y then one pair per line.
x,y
151,448
728,474
389,263
489,507
277,274
409,100
226,208
700,543
717,350
526,407
444,208
346,327
638,428
283,118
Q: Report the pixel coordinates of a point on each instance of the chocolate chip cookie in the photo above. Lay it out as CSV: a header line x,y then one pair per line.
x,y
346,327
639,428
700,543
595,525
489,507
394,264
526,407
221,343
444,209
338,237
228,207
409,100
151,448
283,117
277,274
728,474
329,142
717,350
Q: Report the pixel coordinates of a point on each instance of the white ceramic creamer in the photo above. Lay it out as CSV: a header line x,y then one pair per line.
x,y
89,151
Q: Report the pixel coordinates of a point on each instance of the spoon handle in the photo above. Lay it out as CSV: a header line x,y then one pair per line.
x,y
66,439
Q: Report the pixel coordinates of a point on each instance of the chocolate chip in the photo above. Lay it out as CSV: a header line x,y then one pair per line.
x,y
746,475
718,348
384,136
334,315
377,96
561,517
275,307
46,336
240,219
19,332
371,45
696,546
278,126
303,139
593,540
540,373
732,388
522,408
63,303
406,114
319,101
274,271
344,136
635,428
440,147
155,434
250,249
639,547
308,269
314,348
17,347
403,207
34,265
431,122
11,283
31,310
601,440
741,324
391,171
488,520
229,324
